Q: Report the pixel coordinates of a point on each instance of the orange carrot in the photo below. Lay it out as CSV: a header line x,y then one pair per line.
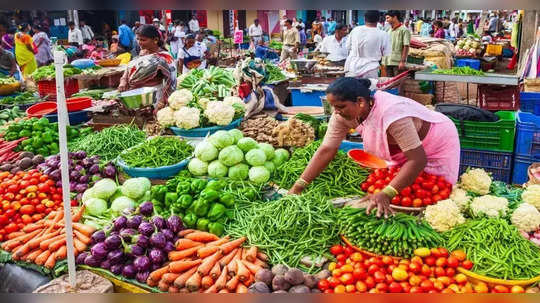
x,y
185,232
251,254
31,227
229,246
262,256
183,265
182,244
78,215
158,273
42,258
179,255
216,271
222,279
206,251
224,291
194,282
15,234
251,267
51,261
169,277
87,230
219,241
211,290
180,282
232,284
173,290
250,280
33,255
57,217
206,282
183,291
201,236
21,251
151,282
260,263
243,254
163,286
61,253
83,238
79,245
45,244
241,289
225,260
232,266
208,263
20,240
37,241
56,244
242,273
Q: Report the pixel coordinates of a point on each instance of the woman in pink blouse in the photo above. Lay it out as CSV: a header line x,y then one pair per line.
x,y
439,30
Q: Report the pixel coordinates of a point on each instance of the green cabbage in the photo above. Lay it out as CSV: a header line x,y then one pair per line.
x,y
221,139
239,172
236,134
121,203
270,166
216,169
256,157
206,151
197,167
259,174
104,188
88,194
268,150
246,144
280,156
95,206
231,155
135,188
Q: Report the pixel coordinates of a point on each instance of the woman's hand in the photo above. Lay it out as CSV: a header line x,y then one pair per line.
x,y
295,189
122,87
380,201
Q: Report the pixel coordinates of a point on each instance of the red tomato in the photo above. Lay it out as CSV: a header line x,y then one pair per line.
x,y
406,201
443,252
441,262
360,273
371,189
435,252
347,278
427,201
416,290
370,282
379,277
445,193
387,260
27,209
11,227
364,186
450,272
467,264
348,251
373,268
395,287
333,282
427,185
426,285
435,189
4,220
414,268
396,200
405,286
436,198
370,180
341,257
379,184
381,287
335,250
44,188
440,272
380,173
426,270
452,262
406,192
361,286
417,202
415,187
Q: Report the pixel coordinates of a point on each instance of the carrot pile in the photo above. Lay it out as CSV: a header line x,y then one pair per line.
x,y
203,262
44,242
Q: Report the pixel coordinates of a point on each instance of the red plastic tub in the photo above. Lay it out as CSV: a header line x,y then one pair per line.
x,y
48,88
48,107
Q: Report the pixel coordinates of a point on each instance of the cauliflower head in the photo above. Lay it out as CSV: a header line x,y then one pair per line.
x,y
526,217
238,105
203,102
165,117
230,100
531,195
219,113
444,215
460,197
180,98
477,181
490,206
187,117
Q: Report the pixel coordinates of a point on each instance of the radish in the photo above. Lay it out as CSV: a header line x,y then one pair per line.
x,y
537,234
535,241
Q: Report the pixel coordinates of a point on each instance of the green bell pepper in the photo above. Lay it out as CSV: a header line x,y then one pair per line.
x,y
183,188
209,195
170,198
158,192
190,219
200,207
43,122
73,132
185,201
227,199
53,147
14,128
250,194
202,224
176,209
43,150
47,137
158,206
216,211
197,185
216,228
37,142
216,185
25,133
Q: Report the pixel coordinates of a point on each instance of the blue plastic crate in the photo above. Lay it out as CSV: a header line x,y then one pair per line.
x,y
75,118
348,145
472,63
497,163
306,98
521,165
530,102
163,172
527,135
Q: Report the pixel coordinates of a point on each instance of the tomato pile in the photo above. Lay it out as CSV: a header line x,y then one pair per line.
x,y
429,271
427,189
25,197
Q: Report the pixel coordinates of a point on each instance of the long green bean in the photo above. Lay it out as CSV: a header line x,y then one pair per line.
x,y
157,152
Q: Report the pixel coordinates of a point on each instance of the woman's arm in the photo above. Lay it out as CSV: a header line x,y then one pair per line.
x,y
322,157
123,82
415,164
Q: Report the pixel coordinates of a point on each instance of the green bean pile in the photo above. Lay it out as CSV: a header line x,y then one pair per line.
x,y
496,248
109,142
157,152
341,178
288,229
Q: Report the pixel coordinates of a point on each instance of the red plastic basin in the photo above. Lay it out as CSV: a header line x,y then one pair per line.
x,y
49,107
78,103
366,159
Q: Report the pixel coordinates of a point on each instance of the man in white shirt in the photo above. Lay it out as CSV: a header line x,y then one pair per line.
x,y
74,35
193,24
453,28
367,45
199,43
86,30
177,40
336,45
255,32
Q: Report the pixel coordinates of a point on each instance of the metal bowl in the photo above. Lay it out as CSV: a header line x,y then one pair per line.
x,y
303,65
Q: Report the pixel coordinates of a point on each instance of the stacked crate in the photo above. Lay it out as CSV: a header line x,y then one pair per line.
x,y
528,136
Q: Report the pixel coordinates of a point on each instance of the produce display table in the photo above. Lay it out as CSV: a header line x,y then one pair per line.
x,y
104,77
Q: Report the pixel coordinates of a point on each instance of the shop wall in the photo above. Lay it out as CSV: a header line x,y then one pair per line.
x,y
250,16
215,20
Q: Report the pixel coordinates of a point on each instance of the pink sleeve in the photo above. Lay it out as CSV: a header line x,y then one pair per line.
x,y
405,134
336,132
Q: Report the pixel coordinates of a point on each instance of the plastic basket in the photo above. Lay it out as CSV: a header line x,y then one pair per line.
x,y
163,172
528,135
78,117
494,49
521,166
202,132
530,102
415,60
493,136
48,88
498,97
472,63
497,163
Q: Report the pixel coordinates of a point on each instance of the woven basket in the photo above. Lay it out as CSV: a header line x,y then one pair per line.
x,y
8,89
109,62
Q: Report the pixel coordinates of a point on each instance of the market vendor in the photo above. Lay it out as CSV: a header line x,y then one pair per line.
x,y
393,128
191,55
336,45
8,64
154,67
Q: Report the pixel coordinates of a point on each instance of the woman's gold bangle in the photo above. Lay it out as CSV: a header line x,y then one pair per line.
x,y
302,182
390,191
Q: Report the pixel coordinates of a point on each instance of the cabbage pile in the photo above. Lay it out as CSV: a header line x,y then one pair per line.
x,y
230,154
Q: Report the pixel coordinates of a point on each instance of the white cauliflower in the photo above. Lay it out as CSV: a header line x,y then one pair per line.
x,y
203,102
526,218
230,100
180,98
187,117
460,197
219,113
476,180
165,117
490,206
531,195
444,215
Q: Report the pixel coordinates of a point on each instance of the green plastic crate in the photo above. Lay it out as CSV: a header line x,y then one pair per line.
x,y
495,136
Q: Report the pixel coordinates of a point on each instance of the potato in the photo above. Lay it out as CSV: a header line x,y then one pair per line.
x,y
264,275
279,283
259,288
323,274
310,280
316,291
279,269
299,289
294,276
279,292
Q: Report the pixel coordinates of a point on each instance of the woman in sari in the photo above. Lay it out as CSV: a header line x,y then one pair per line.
x,y
7,40
154,67
24,51
43,44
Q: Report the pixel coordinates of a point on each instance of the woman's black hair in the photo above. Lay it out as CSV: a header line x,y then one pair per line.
x,y
150,31
37,26
349,89
190,36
